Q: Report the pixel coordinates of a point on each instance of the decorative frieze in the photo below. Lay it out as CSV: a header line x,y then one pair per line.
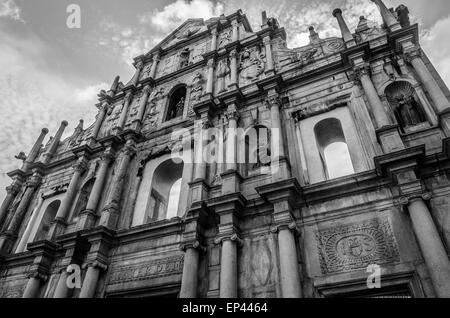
x,y
146,270
354,246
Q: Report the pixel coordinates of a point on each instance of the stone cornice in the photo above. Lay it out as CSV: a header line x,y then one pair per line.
x,y
410,156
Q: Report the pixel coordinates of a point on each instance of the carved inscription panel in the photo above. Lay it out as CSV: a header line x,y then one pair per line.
x,y
146,270
356,246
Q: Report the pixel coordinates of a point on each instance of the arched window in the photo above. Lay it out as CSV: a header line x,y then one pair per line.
x,y
257,149
334,153
176,103
47,219
165,191
405,104
83,199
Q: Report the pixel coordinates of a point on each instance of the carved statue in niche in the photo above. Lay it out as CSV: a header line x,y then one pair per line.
x,y
184,58
197,87
177,111
223,70
225,38
252,64
409,111
403,15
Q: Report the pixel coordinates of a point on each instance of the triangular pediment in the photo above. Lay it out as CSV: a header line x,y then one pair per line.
x,y
188,29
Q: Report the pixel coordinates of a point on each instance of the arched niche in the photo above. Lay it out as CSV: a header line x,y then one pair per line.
x,y
315,147
256,153
406,105
161,181
333,149
176,103
47,219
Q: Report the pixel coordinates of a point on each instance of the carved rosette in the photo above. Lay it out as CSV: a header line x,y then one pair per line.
x,y
355,246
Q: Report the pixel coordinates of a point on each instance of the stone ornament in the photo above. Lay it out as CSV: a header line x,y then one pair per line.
x,y
197,87
225,38
252,65
355,246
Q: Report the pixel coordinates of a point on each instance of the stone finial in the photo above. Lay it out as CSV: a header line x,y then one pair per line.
x,y
345,31
313,35
337,12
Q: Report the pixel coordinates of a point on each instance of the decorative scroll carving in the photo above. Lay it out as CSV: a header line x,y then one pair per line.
x,y
197,87
13,292
357,245
225,38
146,270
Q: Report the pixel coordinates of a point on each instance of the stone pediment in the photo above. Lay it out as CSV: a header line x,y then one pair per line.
x,y
183,32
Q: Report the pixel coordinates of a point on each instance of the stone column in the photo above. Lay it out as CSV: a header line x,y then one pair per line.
x,y
99,120
55,143
62,291
200,137
375,102
228,267
269,57
431,245
289,272
26,235
33,287
110,212
66,204
137,123
20,212
388,18
231,150
233,69
189,280
214,39
210,81
439,99
235,27
123,114
35,150
346,34
154,65
277,142
11,193
86,219
91,279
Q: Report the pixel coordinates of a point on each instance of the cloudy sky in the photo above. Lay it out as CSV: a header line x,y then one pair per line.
x,y
49,72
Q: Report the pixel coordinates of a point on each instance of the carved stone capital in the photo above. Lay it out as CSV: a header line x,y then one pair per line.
x,y
413,54
233,54
81,165
108,155
407,199
13,189
288,226
96,264
360,71
232,114
34,182
272,101
146,90
210,63
35,274
194,244
231,237
127,98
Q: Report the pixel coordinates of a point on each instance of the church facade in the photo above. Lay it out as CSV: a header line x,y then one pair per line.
x,y
338,185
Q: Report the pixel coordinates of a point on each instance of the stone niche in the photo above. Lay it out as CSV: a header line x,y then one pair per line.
x,y
356,246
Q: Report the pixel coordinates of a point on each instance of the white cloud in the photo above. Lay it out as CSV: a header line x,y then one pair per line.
x,y
176,13
33,97
9,9
437,48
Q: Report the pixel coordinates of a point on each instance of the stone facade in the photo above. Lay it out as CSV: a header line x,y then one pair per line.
x,y
102,199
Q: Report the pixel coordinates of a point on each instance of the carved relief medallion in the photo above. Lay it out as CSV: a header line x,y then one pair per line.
x,y
355,246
